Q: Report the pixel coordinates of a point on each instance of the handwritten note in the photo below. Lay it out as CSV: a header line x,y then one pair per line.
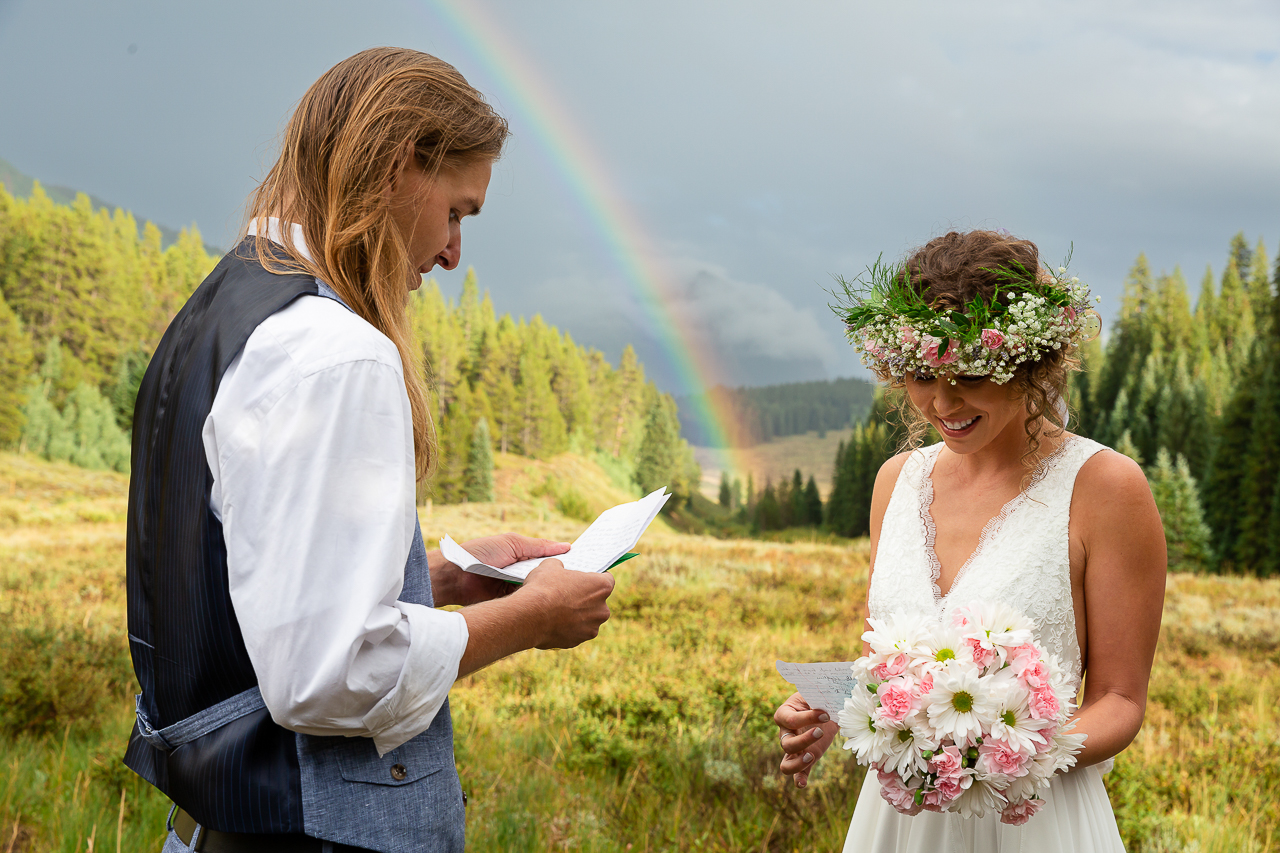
x,y
823,685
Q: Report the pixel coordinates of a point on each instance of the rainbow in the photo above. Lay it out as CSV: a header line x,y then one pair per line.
x,y
615,225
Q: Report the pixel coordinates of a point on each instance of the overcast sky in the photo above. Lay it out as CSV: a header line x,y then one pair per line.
x,y
763,148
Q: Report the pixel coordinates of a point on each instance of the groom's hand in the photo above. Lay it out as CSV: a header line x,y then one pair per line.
x,y
805,734
575,603
451,585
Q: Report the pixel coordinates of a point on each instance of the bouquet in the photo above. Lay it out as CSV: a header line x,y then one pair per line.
x,y
968,715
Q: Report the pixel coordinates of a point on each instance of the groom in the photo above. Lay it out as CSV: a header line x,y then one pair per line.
x,y
294,669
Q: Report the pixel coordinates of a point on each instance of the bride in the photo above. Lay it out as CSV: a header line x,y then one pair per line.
x,y
1008,507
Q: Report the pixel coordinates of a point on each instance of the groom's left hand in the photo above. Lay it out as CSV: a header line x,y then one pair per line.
x,y
451,585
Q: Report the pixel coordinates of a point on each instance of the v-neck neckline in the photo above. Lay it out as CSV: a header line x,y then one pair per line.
x,y
989,530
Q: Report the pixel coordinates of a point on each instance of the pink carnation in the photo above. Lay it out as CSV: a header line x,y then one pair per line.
x,y
983,657
991,339
909,336
897,794
1070,312
1035,676
949,788
926,684
947,763
871,346
893,667
932,358
1016,814
896,700
1044,704
1020,657
997,756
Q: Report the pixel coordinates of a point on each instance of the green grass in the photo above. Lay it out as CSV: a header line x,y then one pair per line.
x,y
656,736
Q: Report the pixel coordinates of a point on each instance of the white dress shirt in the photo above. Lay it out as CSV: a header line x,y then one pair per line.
x,y
310,441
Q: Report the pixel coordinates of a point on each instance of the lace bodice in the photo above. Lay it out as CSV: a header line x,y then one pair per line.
x,y
1022,556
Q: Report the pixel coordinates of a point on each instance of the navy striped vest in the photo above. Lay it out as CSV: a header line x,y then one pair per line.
x,y
203,735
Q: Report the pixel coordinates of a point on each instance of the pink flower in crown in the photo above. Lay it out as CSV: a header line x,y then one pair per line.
x,y
871,346
893,667
991,339
897,794
1070,312
947,763
896,700
998,756
931,356
1044,704
1016,814
983,657
909,336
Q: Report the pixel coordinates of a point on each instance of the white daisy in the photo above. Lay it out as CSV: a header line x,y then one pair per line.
x,y
977,800
1015,725
864,736
902,754
899,633
995,625
960,706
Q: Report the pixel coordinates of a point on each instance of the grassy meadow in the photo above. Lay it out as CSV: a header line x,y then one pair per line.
x,y
657,736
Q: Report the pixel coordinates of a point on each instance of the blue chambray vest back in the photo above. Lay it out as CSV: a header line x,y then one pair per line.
x,y
203,735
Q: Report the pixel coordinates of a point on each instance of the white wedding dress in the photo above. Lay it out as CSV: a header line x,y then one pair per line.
x,y
1022,560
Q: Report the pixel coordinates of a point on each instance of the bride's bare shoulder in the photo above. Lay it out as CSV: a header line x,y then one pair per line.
x,y
1108,469
1112,500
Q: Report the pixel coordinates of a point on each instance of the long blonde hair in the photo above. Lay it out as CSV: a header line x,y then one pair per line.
x,y
348,138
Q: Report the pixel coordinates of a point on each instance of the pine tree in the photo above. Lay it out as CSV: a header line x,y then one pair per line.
x,y
659,461
1236,327
16,362
726,495
799,506
479,475
130,368
1259,287
1126,447
1227,469
97,441
1177,499
813,503
768,514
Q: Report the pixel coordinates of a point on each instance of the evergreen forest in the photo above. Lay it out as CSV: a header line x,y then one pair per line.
x,y
85,297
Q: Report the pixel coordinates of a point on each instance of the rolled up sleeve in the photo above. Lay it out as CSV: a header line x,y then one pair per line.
x,y
314,483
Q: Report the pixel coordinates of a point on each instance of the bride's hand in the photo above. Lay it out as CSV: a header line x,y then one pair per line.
x,y
805,734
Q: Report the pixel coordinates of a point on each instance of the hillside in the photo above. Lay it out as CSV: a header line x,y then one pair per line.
x,y
658,732
752,416
20,185
813,453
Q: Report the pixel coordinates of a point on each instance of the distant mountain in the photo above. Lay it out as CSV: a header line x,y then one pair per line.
x,y
757,415
18,184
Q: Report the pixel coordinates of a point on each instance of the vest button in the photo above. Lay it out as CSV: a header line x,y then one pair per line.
x,y
398,772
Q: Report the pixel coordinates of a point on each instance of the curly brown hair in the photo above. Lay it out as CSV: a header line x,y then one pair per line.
x,y
955,268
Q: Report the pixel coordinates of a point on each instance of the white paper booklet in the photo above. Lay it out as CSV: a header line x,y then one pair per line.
x,y
823,685
613,534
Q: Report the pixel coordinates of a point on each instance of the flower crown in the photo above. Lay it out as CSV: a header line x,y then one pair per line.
x,y
899,333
